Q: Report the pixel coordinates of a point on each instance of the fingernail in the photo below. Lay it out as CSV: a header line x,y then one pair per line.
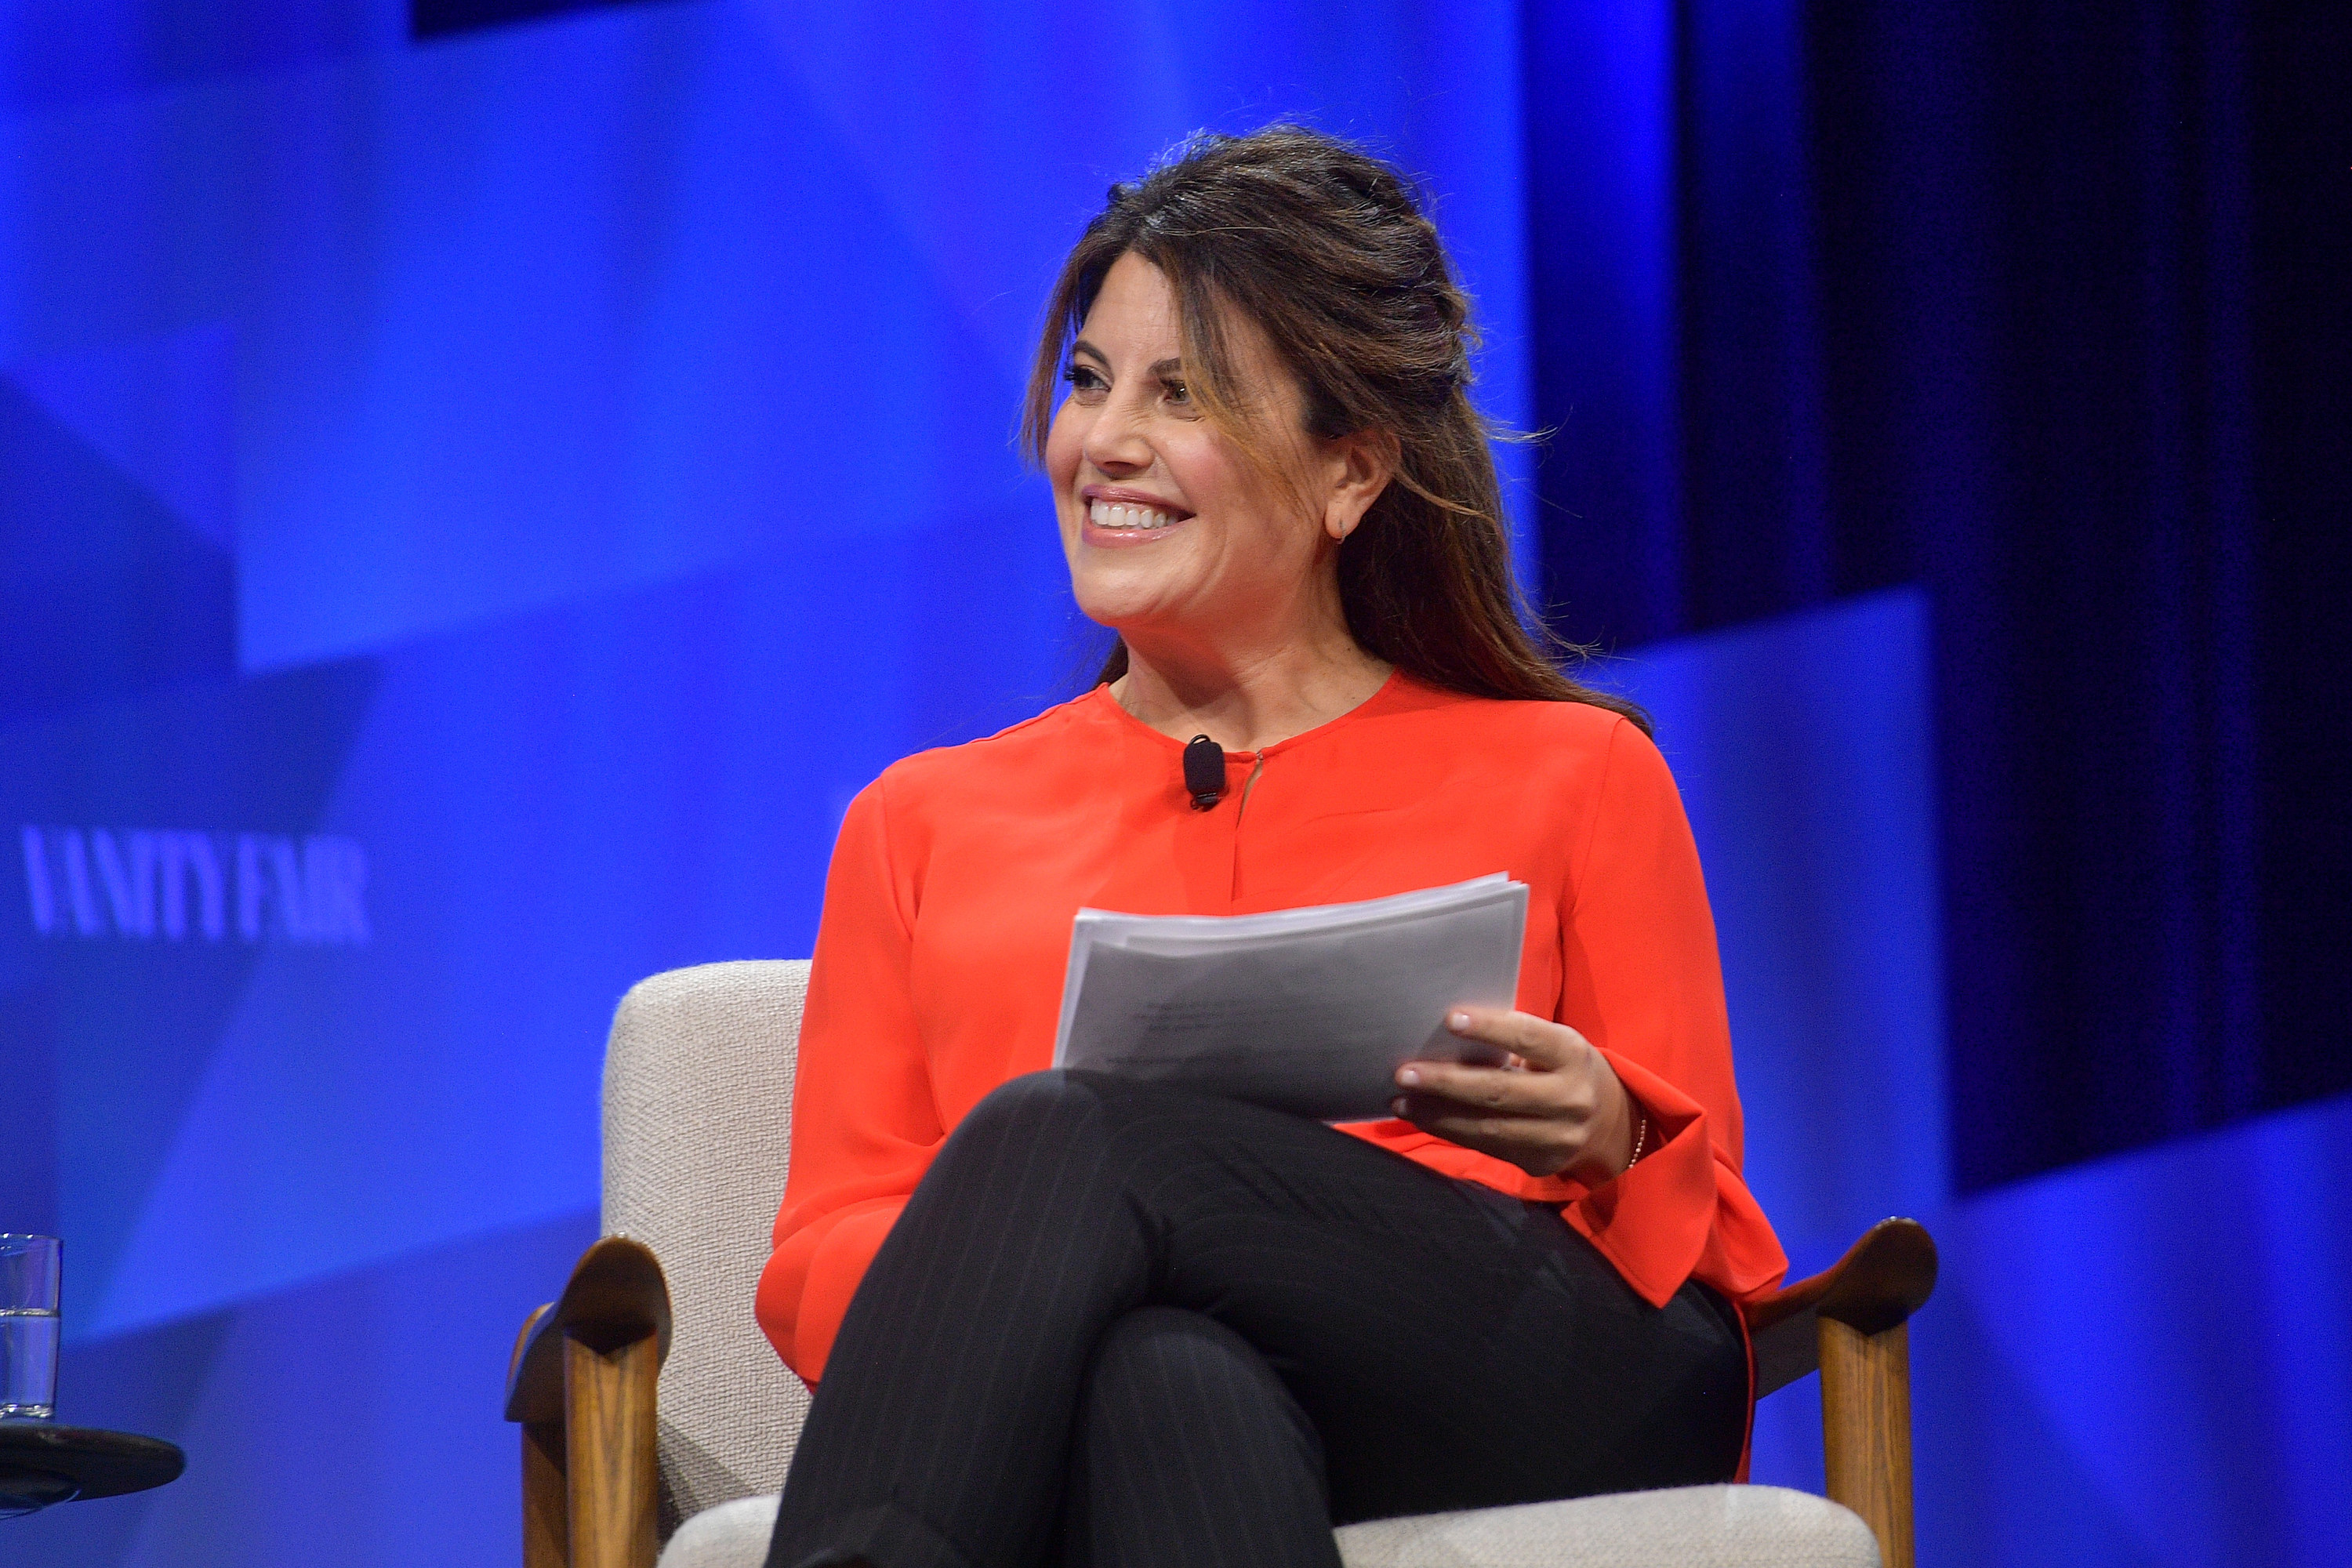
x,y
1457,1022
1409,1077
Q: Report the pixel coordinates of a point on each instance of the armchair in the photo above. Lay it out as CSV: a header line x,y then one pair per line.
x,y
652,1411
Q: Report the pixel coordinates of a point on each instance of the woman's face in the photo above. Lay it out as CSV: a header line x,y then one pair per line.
x,y
1168,528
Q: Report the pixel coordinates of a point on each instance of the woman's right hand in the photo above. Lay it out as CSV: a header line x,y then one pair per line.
x,y
1556,1108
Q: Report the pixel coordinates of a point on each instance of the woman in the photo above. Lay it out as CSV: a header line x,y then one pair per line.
x,y
1057,1316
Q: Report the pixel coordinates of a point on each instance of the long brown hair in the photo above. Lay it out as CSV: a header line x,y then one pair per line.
x,y
1324,248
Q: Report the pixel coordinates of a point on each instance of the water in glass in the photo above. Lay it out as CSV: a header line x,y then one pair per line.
x,y
28,1363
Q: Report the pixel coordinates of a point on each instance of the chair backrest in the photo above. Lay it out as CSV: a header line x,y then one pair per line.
x,y
698,1121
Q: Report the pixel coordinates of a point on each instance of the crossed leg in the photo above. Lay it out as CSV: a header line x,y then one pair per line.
x,y
1116,1321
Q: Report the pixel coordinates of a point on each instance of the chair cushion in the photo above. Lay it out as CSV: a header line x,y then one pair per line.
x,y
1689,1526
698,1123
732,1535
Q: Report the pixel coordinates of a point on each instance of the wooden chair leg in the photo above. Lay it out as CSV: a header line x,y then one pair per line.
x,y
1866,1430
546,1498
608,1398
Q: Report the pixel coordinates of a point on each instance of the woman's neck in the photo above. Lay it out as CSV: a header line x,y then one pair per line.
x,y
1246,701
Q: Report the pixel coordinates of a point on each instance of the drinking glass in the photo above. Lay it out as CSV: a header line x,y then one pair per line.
x,y
29,1267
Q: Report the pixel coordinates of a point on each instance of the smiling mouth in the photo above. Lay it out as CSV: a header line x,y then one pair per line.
x,y
1128,517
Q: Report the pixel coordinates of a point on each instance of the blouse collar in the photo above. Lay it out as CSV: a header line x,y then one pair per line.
x,y
1392,693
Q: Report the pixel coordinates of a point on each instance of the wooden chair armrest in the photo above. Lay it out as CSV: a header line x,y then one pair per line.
x,y
1882,1280
582,1383
617,1295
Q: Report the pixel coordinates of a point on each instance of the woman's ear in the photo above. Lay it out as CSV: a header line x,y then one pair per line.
x,y
1362,464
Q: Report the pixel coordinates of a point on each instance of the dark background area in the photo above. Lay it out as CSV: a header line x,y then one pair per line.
x,y
2043,306
440,19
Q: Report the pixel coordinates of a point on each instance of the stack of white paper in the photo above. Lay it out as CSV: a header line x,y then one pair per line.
x,y
1309,1010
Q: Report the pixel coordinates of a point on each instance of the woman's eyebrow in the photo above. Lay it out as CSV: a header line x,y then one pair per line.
x,y
1160,370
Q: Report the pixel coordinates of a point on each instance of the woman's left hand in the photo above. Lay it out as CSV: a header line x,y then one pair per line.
x,y
1557,1107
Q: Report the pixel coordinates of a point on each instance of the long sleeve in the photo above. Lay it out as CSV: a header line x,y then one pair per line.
x,y
1641,980
865,1123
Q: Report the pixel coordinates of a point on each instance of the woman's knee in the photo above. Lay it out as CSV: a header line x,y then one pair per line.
x,y
1037,1111
1063,1101
1032,1101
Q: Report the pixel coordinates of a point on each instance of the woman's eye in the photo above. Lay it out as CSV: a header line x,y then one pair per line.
x,y
1177,393
1083,378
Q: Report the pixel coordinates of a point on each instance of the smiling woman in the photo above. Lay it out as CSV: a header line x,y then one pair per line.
x,y
1058,1316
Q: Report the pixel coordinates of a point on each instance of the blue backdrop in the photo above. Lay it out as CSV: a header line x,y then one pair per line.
x,y
476,501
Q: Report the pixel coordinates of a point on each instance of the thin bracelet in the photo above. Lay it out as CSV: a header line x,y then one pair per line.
x,y
1639,1138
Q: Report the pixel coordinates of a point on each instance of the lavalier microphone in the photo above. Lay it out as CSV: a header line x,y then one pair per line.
x,y
1205,772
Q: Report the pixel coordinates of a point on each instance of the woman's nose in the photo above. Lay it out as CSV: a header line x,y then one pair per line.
x,y
1115,442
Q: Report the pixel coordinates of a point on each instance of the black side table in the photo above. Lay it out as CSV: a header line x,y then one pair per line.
x,y
42,1463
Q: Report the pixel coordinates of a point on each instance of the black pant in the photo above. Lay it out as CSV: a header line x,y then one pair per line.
x,y
1125,1325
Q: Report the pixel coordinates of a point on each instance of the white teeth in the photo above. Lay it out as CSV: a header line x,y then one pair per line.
x,y
1109,514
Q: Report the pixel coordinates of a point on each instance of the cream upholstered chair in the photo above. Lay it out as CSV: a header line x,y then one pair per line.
x,y
652,1411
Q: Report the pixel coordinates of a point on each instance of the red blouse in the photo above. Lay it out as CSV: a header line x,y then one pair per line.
x,y
939,961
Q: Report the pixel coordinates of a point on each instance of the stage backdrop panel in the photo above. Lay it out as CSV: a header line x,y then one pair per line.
x,y
474,512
